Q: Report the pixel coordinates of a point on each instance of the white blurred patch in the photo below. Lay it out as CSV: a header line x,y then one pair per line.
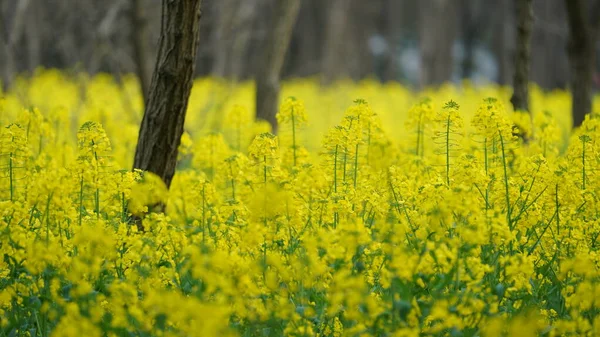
x,y
378,45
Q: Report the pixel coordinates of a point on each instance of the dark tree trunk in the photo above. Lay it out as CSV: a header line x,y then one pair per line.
x,y
162,125
520,96
139,38
581,54
274,50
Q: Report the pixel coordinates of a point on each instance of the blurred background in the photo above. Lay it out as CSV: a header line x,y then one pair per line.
x,y
418,43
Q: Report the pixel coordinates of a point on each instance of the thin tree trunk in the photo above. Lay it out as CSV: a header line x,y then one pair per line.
x,y
139,38
520,97
581,52
162,125
277,42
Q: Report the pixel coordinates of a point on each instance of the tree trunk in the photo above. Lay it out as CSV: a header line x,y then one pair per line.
x,y
139,38
162,125
277,42
520,97
581,52
437,30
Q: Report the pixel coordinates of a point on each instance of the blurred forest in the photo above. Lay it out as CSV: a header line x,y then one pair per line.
x,y
419,43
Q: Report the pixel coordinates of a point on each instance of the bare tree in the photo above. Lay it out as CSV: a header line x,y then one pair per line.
x,y
437,31
139,38
520,96
162,125
582,55
274,50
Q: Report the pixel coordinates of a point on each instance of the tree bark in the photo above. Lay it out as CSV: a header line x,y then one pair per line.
x,y
277,42
139,38
581,52
520,96
162,125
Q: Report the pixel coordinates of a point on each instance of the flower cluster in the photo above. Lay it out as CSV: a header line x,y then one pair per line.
x,y
386,216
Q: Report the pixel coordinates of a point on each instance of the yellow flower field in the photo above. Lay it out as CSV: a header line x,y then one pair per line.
x,y
376,211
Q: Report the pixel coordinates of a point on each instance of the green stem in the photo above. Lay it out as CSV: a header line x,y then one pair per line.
x,y
583,165
485,159
294,136
368,142
10,173
81,199
123,208
557,206
204,214
419,132
355,165
335,169
232,182
505,181
448,150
